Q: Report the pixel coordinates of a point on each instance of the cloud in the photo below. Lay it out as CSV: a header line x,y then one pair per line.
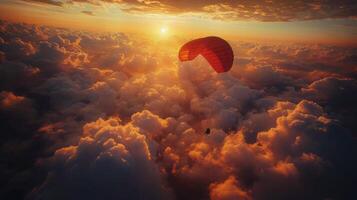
x,y
228,190
87,12
49,2
10,69
328,93
111,158
274,10
18,107
253,10
285,153
109,111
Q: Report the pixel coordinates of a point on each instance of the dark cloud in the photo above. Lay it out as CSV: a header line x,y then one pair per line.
x,y
50,2
89,115
87,12
328,93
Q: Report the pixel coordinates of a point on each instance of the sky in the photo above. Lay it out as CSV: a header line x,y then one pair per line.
x,y
331,22
96,104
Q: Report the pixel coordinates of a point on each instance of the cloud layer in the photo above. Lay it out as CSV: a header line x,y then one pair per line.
x,y
267,10
88,115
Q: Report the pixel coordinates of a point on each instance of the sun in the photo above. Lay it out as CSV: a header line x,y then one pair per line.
x,y
164,30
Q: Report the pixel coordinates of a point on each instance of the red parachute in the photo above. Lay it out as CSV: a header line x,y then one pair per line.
x,y
217,52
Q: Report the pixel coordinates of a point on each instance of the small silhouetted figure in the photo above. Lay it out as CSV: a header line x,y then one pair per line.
x,y
208,131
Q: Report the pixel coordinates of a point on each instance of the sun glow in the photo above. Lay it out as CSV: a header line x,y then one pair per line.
x,y
164,30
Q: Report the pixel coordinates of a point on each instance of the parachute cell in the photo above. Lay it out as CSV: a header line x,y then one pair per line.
x,y
215,50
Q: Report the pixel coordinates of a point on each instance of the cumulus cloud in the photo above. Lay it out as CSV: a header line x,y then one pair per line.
x,y
227,190
14,110
105,116
111,161
328,92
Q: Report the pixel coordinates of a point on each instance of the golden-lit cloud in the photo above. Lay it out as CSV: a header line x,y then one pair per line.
x,y
267,10
117,112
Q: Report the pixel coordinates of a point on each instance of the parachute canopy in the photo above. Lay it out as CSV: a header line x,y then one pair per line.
x,y
217,52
